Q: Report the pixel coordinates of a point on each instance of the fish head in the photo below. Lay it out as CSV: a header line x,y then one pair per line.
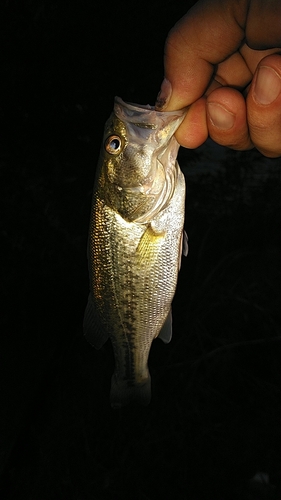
x,y
138,160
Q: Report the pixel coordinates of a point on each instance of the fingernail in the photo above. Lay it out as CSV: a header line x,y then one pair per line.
x,y
220,117
268,85
164,95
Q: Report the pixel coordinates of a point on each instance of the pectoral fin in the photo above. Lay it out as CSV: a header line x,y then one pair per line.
x,y
94,331
149,246
166,331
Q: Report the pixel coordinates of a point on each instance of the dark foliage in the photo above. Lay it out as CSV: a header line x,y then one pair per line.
x,y
212,429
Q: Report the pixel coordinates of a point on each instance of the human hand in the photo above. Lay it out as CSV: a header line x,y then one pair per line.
x,y
223,61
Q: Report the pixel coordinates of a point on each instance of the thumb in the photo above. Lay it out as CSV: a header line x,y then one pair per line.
x,y
204,37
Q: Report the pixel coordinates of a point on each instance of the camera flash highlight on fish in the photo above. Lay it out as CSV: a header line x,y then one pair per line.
x,y
136,239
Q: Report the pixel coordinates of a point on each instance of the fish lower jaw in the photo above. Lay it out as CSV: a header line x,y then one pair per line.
x,y
124,392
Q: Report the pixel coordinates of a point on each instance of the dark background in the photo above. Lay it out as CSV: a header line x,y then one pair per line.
x,y
214,420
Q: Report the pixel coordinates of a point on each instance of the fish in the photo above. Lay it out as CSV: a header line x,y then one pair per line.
x,y
136,240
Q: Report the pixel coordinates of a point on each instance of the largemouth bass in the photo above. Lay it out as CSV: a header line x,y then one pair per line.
x,y
135,244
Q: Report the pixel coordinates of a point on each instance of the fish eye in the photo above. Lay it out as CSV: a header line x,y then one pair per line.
x,y
113,145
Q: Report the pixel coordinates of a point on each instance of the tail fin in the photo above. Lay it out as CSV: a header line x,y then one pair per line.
x,y
124,392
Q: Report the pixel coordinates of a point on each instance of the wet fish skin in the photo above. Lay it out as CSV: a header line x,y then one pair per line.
x,y
135,243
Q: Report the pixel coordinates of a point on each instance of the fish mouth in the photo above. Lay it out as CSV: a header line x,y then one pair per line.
x,y
158,126
133,108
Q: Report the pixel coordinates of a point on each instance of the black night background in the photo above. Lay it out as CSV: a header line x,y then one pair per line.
x,y
213,428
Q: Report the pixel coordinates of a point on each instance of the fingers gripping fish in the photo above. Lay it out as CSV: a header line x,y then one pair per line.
x,y
135,244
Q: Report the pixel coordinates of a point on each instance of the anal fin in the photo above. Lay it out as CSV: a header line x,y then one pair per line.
x,y
183,246
94,331
166,331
